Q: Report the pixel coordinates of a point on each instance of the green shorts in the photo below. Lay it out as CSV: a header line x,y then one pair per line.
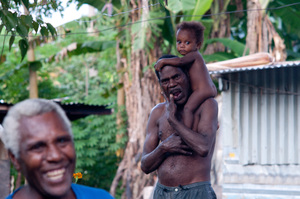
x,y
198,190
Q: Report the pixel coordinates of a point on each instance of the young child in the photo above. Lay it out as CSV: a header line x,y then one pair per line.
x,y
189,40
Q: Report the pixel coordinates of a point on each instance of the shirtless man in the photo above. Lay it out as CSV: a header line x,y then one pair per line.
x,y
181,156
189,39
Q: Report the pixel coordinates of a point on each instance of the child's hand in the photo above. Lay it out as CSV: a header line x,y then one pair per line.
x,y
159,64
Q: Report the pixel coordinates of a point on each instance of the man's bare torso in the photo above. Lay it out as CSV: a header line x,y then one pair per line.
x,y
182,169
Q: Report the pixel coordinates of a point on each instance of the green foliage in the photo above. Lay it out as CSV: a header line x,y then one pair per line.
x,y
218,56
200,9
95,136
35,65
287,25
13,84
85,76
168,29
91,46
99,4
23,45
289,15
96,146
207,23
14,78
236,47
139,30
181,5
20,25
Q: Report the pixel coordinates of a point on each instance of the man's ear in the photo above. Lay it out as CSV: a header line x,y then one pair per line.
x,y
14,160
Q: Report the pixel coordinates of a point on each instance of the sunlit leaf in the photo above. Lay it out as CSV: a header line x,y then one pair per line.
x,y
202,6
181,5
175,6
108,44
234,45
219,56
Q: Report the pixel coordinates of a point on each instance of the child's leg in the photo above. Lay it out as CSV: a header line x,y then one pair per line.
x,y
194,101
189,108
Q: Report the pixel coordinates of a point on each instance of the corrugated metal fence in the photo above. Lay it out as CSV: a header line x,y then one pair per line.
x,y
261,115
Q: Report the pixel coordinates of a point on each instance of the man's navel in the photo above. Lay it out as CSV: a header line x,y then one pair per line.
x,y
160,134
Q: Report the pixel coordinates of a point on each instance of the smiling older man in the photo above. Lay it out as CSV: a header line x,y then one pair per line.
x,y
39,139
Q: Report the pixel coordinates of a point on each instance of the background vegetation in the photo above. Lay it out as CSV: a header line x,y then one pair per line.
x,y
126,42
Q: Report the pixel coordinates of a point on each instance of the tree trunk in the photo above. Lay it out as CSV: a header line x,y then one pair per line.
x,y
261,33
33,87
142,93
120,97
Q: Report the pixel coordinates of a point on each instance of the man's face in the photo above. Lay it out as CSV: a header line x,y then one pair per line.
x,y
47,155
186,42
174,81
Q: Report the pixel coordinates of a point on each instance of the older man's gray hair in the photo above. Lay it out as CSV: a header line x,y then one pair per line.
x,y
10,134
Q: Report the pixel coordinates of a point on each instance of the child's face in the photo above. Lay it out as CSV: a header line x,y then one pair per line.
x,y
186,42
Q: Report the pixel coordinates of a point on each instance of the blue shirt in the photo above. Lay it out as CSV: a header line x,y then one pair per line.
x,y
81,192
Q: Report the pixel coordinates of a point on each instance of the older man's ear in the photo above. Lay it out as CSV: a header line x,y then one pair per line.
x,y
14,160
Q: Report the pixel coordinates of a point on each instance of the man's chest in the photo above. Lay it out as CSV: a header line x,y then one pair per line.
x,y
164,128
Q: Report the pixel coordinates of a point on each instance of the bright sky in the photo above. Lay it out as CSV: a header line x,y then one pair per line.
x,y
70,13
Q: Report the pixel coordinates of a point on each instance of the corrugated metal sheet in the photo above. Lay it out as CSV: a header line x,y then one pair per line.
x,y
74,110
251,191
261,115
274,65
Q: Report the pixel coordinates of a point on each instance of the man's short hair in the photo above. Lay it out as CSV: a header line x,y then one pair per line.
x,y
27,108
166,57
195,27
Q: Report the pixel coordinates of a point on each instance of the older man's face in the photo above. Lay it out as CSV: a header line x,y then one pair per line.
x,y
47,155
174,81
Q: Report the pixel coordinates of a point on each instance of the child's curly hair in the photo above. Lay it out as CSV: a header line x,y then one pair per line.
x,y
194,26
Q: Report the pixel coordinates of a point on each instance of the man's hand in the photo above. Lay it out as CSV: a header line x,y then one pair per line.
x,y
159,64
171,109
165,97
174,145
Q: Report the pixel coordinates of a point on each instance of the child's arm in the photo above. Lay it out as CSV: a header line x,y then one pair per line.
x,y
177,61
